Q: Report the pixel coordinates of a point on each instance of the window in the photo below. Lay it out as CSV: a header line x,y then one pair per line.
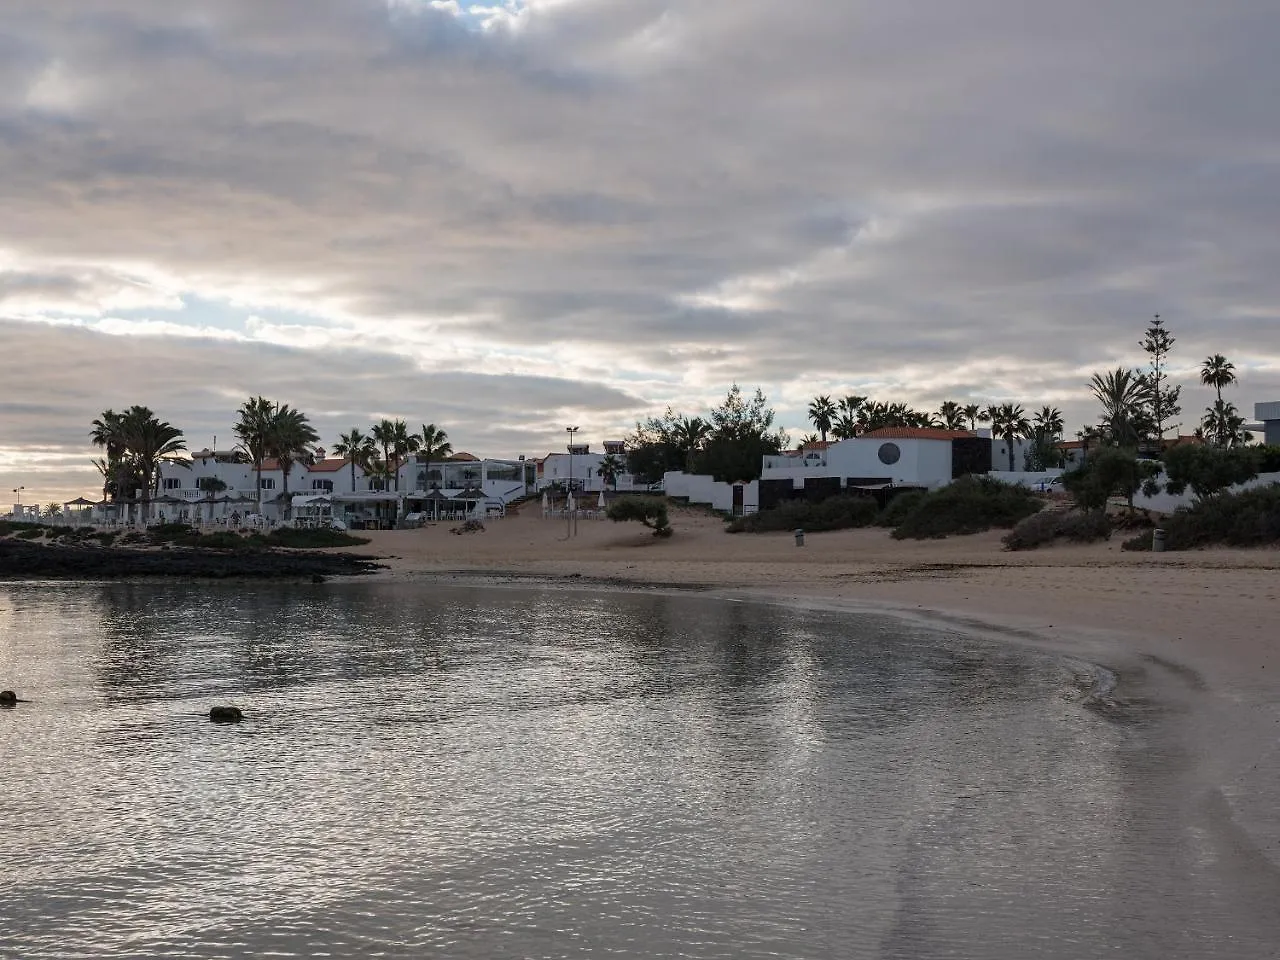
x,y
325,485
172,483
377,484
268,483
889,453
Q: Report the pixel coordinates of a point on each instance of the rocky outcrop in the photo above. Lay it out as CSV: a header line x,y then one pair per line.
x,y
22,560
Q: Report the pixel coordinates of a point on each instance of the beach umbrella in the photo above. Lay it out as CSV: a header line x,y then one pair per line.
x,y
546,503
81,502
600,500
570,505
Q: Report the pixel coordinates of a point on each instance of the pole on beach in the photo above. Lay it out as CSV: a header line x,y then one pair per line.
x,y
571,512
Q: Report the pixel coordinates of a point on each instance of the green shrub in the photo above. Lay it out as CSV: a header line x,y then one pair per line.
x,y
897,509
31,533
970,505
1247,519
834,513
649,511
1047,526
313,539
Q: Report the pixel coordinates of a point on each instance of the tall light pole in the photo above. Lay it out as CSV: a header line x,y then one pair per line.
x,y
571,431
17,492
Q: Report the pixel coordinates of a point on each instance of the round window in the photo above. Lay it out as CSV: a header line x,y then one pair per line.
x,y
889,453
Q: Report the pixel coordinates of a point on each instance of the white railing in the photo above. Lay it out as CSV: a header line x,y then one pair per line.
x,y
795,463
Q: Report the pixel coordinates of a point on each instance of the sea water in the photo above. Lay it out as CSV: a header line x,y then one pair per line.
x,y
445,770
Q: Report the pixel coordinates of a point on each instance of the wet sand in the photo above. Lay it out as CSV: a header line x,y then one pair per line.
x,y
1202,624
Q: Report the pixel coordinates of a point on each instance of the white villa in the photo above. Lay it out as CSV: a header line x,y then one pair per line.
x,y
220,485
579,469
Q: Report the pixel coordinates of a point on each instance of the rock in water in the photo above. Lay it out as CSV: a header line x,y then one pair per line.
x,y
225,714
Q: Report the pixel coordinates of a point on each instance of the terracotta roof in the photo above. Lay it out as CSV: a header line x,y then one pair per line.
x,y
917,433
326,466
462,455
817,445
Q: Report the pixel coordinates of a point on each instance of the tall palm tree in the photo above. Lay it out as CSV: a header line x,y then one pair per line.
x,y
151,442
952,415
1049,423
383,434
975,415
403,443
108,433
822,413
689,434
356,448
845,427
253,430
1217,372
1009,422
1123,395
290,440
433,443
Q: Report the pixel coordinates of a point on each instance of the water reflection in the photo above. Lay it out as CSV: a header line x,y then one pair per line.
x,y
456,771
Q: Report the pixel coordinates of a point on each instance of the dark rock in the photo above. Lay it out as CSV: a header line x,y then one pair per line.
x,y
317,578
21,560
225,714
8,698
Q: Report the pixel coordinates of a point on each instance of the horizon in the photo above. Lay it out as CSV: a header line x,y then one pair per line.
x,y
505,219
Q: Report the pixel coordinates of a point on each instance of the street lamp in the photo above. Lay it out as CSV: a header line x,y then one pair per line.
x,y
571,431
17,491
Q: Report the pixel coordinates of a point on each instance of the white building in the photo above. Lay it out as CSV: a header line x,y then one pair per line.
x,y
579,468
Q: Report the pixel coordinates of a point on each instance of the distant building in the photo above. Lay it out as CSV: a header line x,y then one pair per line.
x,y
1268,414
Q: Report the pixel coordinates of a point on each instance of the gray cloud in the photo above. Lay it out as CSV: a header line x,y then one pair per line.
x,y
624,203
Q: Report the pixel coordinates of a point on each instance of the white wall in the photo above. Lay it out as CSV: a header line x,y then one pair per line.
x,y
1167,502
926,462
699,488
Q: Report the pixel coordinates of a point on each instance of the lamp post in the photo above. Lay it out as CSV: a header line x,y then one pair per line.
x,y
571,515
17,492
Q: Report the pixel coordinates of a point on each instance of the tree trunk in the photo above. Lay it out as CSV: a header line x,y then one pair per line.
x,y
1009,443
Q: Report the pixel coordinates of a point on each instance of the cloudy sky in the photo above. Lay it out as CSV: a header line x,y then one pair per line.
x,y
505,219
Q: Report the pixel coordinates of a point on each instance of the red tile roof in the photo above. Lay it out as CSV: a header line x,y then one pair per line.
x,y
327,466
917,433
462,456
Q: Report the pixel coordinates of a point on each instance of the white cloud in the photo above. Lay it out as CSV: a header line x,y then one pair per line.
x,y
640,199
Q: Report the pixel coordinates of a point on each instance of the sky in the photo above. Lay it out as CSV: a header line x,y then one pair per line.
x,y
512,218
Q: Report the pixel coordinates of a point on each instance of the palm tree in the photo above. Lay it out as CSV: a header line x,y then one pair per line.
x,y
356,448
611,467
822,412
290,439
252,429
383,434
1223,423
151,442
1049,423
1217,372
433,443
403,443
1009,422
975,415
808,440
1123,395
952,415
845,427
108,433
689,434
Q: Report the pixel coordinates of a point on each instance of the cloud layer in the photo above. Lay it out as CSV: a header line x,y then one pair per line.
x,y
503,218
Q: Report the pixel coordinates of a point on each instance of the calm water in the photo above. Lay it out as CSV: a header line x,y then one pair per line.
x,y
441,771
